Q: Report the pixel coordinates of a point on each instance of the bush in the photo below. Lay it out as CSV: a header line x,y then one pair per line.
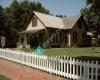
x,y
88,58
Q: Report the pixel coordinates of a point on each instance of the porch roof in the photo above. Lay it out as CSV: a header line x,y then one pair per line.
x,y
34,30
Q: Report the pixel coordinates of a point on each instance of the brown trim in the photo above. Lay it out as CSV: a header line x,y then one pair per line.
x,y
84,23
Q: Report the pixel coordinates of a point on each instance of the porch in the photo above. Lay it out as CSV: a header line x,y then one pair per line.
x,y
47,36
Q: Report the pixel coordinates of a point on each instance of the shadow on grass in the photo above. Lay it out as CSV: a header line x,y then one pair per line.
x,y
3,77
88,58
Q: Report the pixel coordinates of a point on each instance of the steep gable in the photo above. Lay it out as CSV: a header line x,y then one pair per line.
x,y
50,21
70,21
57,22
44,20
39,25
33,29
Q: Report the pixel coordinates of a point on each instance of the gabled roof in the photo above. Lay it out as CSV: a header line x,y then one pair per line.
x,y
52,22
70,21
57,22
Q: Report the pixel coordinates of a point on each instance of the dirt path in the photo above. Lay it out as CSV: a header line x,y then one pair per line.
x,y
20,72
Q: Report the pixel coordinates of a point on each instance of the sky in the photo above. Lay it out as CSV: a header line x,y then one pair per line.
x,y
57,7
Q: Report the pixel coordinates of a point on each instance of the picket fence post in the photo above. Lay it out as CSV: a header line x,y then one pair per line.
x,y
60,65
96,72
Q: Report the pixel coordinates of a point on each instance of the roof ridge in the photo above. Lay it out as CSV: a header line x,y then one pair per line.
x,y
70,21
57,22
45,14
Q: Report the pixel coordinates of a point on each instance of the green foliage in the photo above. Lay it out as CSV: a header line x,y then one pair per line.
x,y
61,16
92,15
94,2
16,17
2,22
88,58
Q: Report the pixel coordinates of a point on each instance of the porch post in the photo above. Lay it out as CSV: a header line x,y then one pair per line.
x,y
25,41
58,37
19,39
69,38
46,37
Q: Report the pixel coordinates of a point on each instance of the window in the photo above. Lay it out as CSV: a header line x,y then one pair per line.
x,y
79,24
83,37
74,36
66,37
34,21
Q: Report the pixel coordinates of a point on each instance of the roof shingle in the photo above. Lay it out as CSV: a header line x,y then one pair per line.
x,y
53,22
57,22
70,21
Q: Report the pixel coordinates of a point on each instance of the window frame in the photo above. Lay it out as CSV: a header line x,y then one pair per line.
x,y
75,37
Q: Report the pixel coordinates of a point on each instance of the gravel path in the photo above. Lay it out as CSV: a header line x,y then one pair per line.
x,y
20,72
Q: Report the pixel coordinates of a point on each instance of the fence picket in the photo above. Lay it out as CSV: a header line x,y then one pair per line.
x,y
92,71
73,68
59,65
80,70
84,75
88,70
77,72
96,72
64,73
67,61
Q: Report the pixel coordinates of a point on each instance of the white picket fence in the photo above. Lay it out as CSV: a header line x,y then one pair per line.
x,y
65,66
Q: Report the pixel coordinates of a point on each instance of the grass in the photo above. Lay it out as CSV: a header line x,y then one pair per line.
x,y
88,53
92,54
73,52
3,77
24,49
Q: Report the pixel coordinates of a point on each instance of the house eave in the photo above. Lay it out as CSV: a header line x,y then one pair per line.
x,y
29,31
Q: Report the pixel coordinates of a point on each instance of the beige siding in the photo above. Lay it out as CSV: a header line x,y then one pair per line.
x,y
39,25
30,27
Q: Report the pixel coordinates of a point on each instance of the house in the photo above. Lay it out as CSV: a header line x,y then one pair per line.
x,y
72,31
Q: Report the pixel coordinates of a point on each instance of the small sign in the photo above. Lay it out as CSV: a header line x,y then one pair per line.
x,y
93,38
3,40
39,51
89,33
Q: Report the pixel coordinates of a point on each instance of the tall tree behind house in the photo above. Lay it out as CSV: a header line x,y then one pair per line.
x,y
92,15
18,15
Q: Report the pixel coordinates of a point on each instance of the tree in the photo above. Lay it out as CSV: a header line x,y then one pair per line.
x,y
96,3
92,15
18,15
62,16
2,22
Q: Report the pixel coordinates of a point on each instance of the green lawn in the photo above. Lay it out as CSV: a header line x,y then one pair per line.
x,y
87,53
2,77
79,53
74,52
